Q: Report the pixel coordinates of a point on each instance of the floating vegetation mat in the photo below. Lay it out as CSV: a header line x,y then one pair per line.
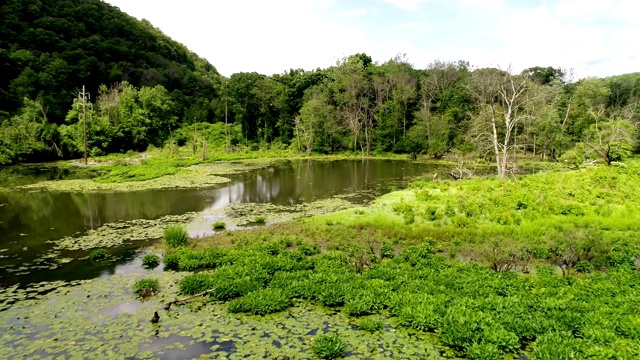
x,y
114,234
248,214
196,176
102,319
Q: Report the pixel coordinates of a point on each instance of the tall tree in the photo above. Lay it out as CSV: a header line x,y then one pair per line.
x,y
505,101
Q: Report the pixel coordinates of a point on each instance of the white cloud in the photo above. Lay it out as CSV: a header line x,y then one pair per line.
x,y
409,5
597,38
354,12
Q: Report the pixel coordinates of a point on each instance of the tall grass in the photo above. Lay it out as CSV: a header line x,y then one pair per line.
x,y
175,236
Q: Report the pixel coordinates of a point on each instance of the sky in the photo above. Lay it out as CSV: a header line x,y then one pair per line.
x,y
592,37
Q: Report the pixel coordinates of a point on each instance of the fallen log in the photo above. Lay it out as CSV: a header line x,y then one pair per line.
x,y
167,306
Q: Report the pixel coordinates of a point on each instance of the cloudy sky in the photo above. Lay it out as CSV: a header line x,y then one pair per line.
x,y
594,37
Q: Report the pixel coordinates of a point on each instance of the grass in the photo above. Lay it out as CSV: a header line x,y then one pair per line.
x,y
99,255
218,225
175,236
146,287
329,346
460,260
150,261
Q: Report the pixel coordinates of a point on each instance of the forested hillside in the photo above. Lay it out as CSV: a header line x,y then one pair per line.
x,y
49,49
149,90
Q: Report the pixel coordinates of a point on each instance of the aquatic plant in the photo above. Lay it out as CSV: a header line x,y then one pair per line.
x,y
261,302
329,346
171,261
370,323
219,225
175,236
99,255
150,261
146,287
261,220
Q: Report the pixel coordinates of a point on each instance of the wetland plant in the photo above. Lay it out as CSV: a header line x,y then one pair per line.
x,y
150,261
261,302
219,225
370,323
329,346
175,236
146,287
261,220
99,255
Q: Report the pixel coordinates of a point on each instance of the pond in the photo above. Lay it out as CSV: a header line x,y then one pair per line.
x,y
31,222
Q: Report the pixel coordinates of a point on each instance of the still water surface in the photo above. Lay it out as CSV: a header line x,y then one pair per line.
x,y
29,219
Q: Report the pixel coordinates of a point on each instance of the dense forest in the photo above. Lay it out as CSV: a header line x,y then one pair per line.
x,y
146,89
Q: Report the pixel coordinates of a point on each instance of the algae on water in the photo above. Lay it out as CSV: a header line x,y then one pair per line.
x,y
103,319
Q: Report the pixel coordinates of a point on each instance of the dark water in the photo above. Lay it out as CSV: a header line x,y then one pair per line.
x,y
29,219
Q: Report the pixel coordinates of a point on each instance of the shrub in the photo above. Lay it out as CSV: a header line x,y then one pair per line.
x,y
307,250
329,346
387,251
99,255
219,225
261,220
583,267
175,236
261,302
146,287
150,261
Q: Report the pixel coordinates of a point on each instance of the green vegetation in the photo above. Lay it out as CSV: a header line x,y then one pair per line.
x,y
175,236
329,346
150,261
146,287
371,323
99,255
464,268
219,225
159,94
260,220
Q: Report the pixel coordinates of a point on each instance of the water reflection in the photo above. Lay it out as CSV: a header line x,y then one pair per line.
x,y
29,219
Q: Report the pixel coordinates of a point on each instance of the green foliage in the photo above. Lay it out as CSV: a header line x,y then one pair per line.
x,y
329,346
219,225
150,261
146,287
99,255
387,251
171,261
261,220
261,302
371,323
175,236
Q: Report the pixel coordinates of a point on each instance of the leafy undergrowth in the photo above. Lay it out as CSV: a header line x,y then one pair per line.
x,y
472,309
546,265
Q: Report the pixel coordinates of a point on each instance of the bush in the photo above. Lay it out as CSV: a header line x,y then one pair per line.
x,y
175,236
261,220
146,287
219,225
261,302
99,255
387,251
329,346
583,267
150,261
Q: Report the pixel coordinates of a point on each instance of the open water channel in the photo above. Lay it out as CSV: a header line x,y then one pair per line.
x,y
31,221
